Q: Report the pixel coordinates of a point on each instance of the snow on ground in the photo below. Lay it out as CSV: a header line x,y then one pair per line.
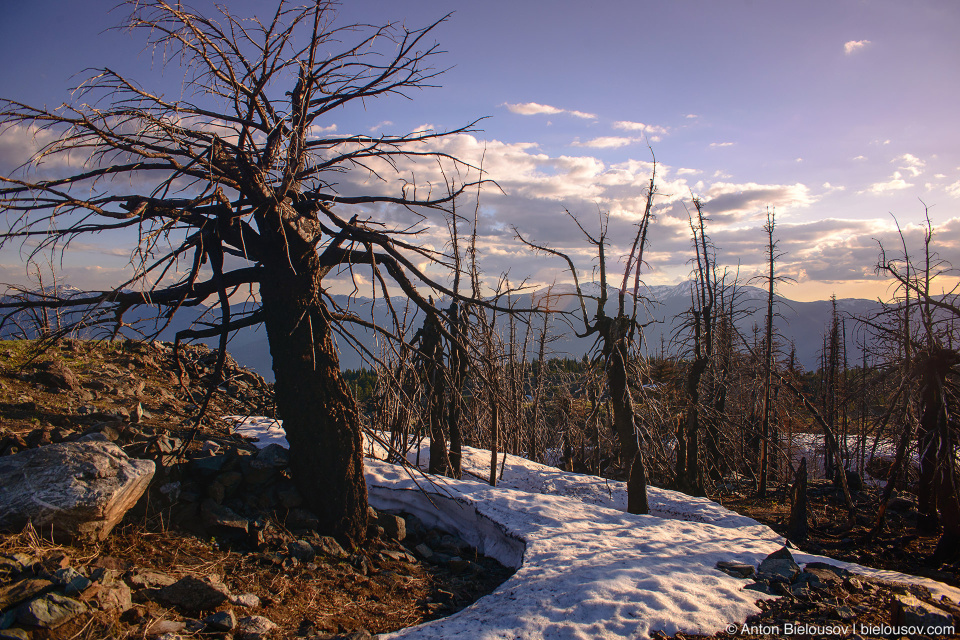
x,y
586,569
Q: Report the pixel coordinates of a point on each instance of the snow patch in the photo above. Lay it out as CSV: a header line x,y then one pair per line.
x,y
586,568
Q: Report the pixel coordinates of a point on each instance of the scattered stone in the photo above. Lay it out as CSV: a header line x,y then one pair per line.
x,y
218,515
328,545
161,628
910,611
255,628
221,621
112,594
13,594
76,489
424,551
167,444
246,600
148,579
736,569
779,566
72,582
191,593
57,375
49,611
209,448
301,550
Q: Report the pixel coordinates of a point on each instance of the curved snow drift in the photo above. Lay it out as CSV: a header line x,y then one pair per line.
x,y
586,568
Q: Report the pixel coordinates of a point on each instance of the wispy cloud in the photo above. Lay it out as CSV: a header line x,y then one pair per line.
x,y
954,189
606,142
535,108
852,46
650,129
721,144
895,183
380,125
910,163
316,130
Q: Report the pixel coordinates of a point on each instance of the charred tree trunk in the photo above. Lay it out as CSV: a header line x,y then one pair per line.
x,y
797,527
319,413
637,486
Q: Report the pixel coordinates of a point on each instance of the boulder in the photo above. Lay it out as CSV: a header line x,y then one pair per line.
x,y
255,628
49,611
56,375
191,593
76,490
779,566
910,611
736,569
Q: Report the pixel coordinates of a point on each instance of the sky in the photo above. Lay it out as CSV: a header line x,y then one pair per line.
x,y
837,114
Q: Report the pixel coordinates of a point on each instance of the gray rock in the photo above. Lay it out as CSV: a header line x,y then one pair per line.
x,y
424,551
221,621
77,490
910,611
49,611
57,375
14,634
246,600
328,545
191,593
161,628
779,566
394,526
736,569
301,550
22,591
218,515
147,579
255,628
761,587
72,582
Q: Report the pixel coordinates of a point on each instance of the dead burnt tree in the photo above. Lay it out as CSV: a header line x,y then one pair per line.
x,y
933,377
767,430
234,187
702,386
617,335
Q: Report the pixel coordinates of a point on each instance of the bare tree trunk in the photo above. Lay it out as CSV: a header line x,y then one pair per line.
x,y
797,527
637,486
319,413
495,440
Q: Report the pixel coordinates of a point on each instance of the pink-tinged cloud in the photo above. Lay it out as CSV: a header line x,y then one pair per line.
x,y
852,46
535,108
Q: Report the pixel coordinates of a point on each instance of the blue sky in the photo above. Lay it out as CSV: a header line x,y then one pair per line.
x,y
837,113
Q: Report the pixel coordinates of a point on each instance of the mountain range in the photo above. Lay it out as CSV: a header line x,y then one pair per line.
x,y
801,324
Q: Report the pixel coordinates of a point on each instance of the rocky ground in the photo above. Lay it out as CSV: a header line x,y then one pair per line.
x,y
221,546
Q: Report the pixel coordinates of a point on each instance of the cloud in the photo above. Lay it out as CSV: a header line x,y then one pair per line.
x,y
739,200
650,129
954,189
860,158
606,142
691,115
895,183
687,172
911,163
721,144
852,46
315,130
534,108
380,125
